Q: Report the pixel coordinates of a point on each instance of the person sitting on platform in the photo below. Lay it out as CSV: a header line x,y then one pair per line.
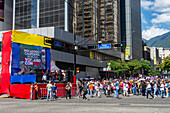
x,y
44,78
47,74
23,71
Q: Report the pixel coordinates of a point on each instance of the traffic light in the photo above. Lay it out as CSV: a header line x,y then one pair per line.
x,y
77,70
92,47
118,45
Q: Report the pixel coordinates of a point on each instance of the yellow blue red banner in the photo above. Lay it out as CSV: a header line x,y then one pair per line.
x,y
30,39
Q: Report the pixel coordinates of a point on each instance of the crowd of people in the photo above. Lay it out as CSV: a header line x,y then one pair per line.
x,y
154,86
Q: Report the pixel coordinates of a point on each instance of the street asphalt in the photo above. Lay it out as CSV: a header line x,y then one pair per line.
x,y
132,104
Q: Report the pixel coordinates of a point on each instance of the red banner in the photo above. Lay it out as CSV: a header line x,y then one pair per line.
x,y
5,65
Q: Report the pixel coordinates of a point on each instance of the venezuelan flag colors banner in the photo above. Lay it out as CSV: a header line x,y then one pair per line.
x,y
30,39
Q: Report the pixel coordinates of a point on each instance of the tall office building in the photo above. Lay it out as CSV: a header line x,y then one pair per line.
x,y
130,19
5,15
43,13
97,19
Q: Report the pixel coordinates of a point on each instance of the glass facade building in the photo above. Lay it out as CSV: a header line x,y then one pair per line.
x,y
130,20
42,13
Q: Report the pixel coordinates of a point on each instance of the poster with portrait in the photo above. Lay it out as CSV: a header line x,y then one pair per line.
x,y
32,57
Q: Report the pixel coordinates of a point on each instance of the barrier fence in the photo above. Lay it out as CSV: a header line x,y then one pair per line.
x,y
42,93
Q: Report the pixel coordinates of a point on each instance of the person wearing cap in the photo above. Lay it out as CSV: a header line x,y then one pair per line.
x,y
148,90
125,89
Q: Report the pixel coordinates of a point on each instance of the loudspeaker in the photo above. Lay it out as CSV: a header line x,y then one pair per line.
x,y
39,75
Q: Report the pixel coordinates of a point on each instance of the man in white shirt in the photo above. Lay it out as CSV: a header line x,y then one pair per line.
x,y
155,88
162,87
148,90
125,89
49,88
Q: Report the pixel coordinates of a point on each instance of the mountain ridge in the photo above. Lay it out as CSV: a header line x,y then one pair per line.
x,y
159,41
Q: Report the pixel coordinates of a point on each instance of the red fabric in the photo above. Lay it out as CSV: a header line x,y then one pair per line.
x,y
23,90
6,54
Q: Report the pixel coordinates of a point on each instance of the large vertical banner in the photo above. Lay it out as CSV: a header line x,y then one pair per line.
x,y
127,53
2,10
6,61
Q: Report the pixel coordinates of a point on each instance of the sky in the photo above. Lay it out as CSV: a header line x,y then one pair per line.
x,y
155,18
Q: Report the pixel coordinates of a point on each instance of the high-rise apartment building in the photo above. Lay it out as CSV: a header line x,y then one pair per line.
x,y
85,19
130,19
97,19
43,13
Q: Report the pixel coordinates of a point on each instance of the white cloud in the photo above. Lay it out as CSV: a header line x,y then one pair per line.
x,y
162,18
146,4
143,19
162,5
152,32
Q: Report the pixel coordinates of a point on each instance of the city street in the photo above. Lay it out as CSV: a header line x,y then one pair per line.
x,y
132,104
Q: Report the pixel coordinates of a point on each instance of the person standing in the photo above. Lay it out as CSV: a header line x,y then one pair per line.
x,y
162,87
31,90
70,84
117,89
155,89
49,90
36,90
169,89
68,90
91,89
54,89
125,89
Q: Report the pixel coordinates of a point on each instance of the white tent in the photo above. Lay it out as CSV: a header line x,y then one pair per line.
x,y
54,67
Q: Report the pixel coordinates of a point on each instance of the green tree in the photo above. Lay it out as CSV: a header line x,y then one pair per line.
x,y
119,66
166,64
133,65
146,65
154,72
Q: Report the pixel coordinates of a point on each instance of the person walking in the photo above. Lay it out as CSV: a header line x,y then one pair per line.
x,y
68,90
49,90
148,90
54,90
84,92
